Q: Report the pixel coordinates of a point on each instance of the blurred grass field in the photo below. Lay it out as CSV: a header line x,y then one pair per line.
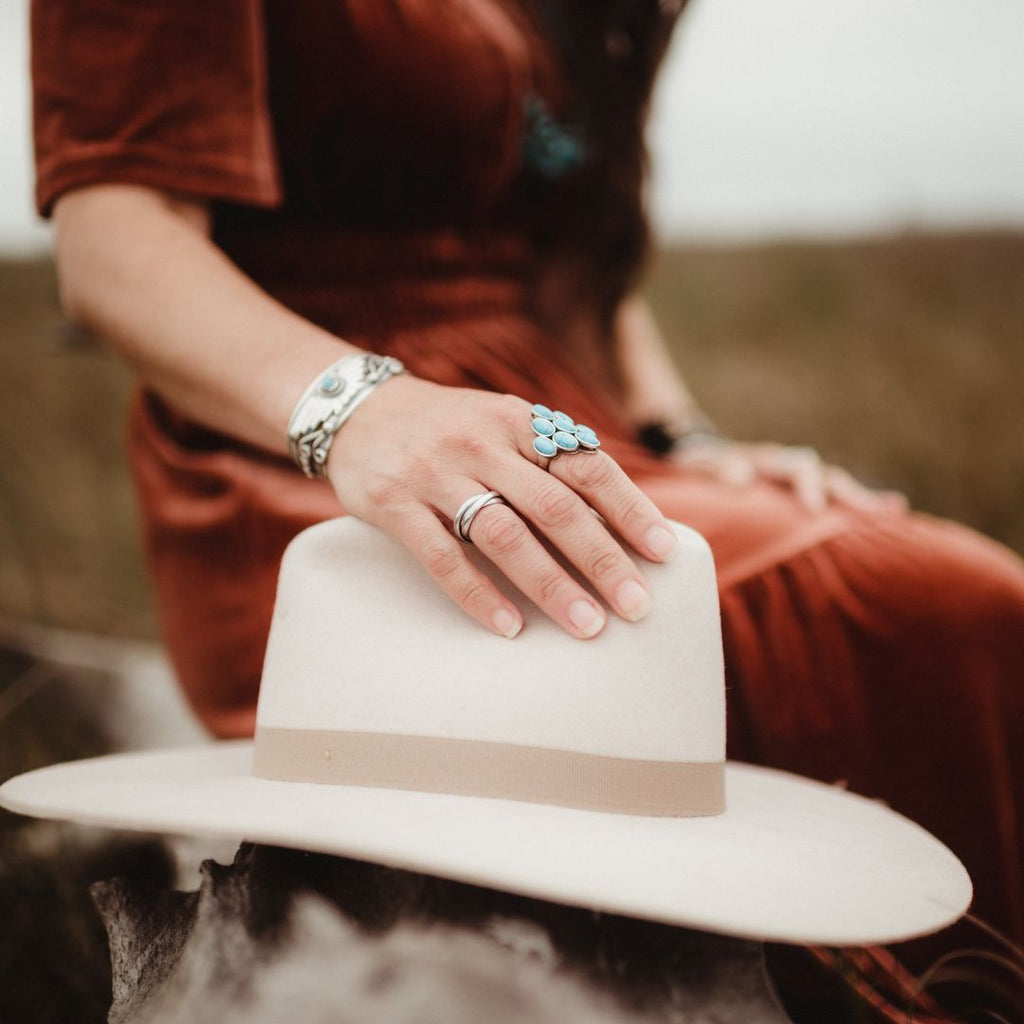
x,y
901,358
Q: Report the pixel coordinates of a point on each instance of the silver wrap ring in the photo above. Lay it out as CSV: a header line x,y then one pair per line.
x,y
469,509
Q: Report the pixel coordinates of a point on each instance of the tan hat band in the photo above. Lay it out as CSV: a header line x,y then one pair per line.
x,y
502,771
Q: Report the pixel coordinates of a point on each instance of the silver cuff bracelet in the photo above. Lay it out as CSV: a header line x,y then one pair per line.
x,y
329,401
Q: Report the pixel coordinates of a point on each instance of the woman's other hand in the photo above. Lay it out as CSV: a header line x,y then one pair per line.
x,y
815,483
410,456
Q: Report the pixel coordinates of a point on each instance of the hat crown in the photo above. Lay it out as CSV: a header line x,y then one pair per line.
x,y
364,645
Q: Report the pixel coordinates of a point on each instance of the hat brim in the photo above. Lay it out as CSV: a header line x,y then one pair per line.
x,y
790,860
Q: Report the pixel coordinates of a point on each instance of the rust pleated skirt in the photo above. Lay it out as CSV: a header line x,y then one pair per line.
x,y
881,652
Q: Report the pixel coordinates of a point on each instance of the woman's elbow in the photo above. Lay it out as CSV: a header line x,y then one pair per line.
x,y
70,246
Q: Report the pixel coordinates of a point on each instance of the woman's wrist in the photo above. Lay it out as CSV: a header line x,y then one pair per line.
x,y
327,403
665,436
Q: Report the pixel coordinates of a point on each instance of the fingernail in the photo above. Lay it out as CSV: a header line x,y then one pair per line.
x,y
661,542
586,618
507,624
634,601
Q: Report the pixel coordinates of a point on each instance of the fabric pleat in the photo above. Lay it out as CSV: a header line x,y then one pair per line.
x,y
889,659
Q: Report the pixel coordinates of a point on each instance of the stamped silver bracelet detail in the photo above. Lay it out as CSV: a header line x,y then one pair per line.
x,y
329,401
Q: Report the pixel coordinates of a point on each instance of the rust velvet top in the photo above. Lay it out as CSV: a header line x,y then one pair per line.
x,y
167,95
330,115
365,164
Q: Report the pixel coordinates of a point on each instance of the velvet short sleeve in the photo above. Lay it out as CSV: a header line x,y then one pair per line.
x,y
166,93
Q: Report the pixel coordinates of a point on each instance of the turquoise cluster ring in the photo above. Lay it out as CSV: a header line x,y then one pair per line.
x,y
556,432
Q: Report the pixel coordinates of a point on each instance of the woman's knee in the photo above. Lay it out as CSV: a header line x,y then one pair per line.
x,y
938,578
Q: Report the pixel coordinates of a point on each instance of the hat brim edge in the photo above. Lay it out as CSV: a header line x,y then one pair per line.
x,y
791,860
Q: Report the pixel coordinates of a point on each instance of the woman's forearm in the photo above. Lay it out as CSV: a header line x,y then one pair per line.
x,y
137,268
655,391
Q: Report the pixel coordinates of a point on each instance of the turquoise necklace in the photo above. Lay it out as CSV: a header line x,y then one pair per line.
x,y
551,148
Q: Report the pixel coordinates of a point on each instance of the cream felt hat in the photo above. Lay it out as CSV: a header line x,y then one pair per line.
x,y
393,729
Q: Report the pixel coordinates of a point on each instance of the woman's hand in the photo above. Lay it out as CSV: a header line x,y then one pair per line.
x,y
409,457
814,483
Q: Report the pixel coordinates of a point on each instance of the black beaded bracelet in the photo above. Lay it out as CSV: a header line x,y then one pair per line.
x,y
656,438
661,438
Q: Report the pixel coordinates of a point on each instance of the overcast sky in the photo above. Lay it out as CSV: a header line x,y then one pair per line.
x,y
773,117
